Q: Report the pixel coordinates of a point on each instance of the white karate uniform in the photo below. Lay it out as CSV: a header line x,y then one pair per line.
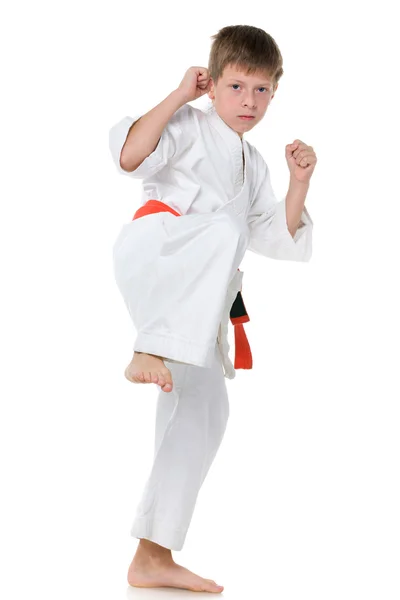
x,y
197,169
179,277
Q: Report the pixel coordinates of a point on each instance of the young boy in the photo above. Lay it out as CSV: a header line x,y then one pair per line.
x,y
176,265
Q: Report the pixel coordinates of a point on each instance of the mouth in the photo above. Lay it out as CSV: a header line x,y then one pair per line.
x,y
246,117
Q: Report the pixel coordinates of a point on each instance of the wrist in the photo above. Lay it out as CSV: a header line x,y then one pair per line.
x,y
293,182
180,97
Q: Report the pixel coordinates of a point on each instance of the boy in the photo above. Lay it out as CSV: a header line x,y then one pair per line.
x,y
177,269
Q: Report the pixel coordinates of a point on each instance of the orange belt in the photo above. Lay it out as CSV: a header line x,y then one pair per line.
x,y
238,314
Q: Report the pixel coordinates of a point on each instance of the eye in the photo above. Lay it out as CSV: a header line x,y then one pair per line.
x,y
237,85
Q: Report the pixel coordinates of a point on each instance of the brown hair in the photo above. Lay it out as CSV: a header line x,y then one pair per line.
x,y
249,48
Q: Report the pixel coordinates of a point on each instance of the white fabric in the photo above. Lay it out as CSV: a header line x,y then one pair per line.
x,y
178,275
190,425
197,167
173,274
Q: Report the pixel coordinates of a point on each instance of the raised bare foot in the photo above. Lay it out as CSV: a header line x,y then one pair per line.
x,y
156,568
148,368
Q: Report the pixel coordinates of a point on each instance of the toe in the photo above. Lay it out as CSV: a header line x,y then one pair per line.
x,y
147,377
212,587
166,373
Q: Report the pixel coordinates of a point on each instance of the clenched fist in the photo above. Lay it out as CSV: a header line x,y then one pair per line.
x,y
195,83
301,160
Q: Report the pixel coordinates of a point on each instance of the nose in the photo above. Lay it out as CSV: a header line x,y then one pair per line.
x,y
250,102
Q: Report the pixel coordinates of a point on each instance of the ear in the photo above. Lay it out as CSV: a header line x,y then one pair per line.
x,y
211,90
277,85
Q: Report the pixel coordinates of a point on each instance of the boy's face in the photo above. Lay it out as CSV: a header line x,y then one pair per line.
x,y
237,94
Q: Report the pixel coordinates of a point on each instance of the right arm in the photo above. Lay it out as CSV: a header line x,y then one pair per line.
x,y
143,144
145,133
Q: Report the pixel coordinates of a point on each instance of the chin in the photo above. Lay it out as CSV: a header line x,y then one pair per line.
x,y
249,124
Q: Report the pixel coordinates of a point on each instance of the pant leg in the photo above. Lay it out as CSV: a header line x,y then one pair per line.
x,y
190,425
173,273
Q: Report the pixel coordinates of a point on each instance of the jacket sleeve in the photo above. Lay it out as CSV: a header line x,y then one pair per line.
x,y
269,234
173,141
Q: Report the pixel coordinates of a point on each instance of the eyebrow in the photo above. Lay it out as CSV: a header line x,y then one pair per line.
x,y
234,79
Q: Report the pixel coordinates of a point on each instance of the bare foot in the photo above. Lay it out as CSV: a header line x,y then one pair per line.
x,y
153,566
148,368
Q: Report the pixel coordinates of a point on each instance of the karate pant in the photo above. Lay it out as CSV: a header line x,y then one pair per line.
x,y
173,274
190,425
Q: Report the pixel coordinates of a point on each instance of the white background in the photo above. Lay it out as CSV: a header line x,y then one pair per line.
x,y
303,498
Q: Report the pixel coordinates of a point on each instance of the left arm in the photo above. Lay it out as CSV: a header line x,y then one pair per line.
x,y
279,229
283,230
